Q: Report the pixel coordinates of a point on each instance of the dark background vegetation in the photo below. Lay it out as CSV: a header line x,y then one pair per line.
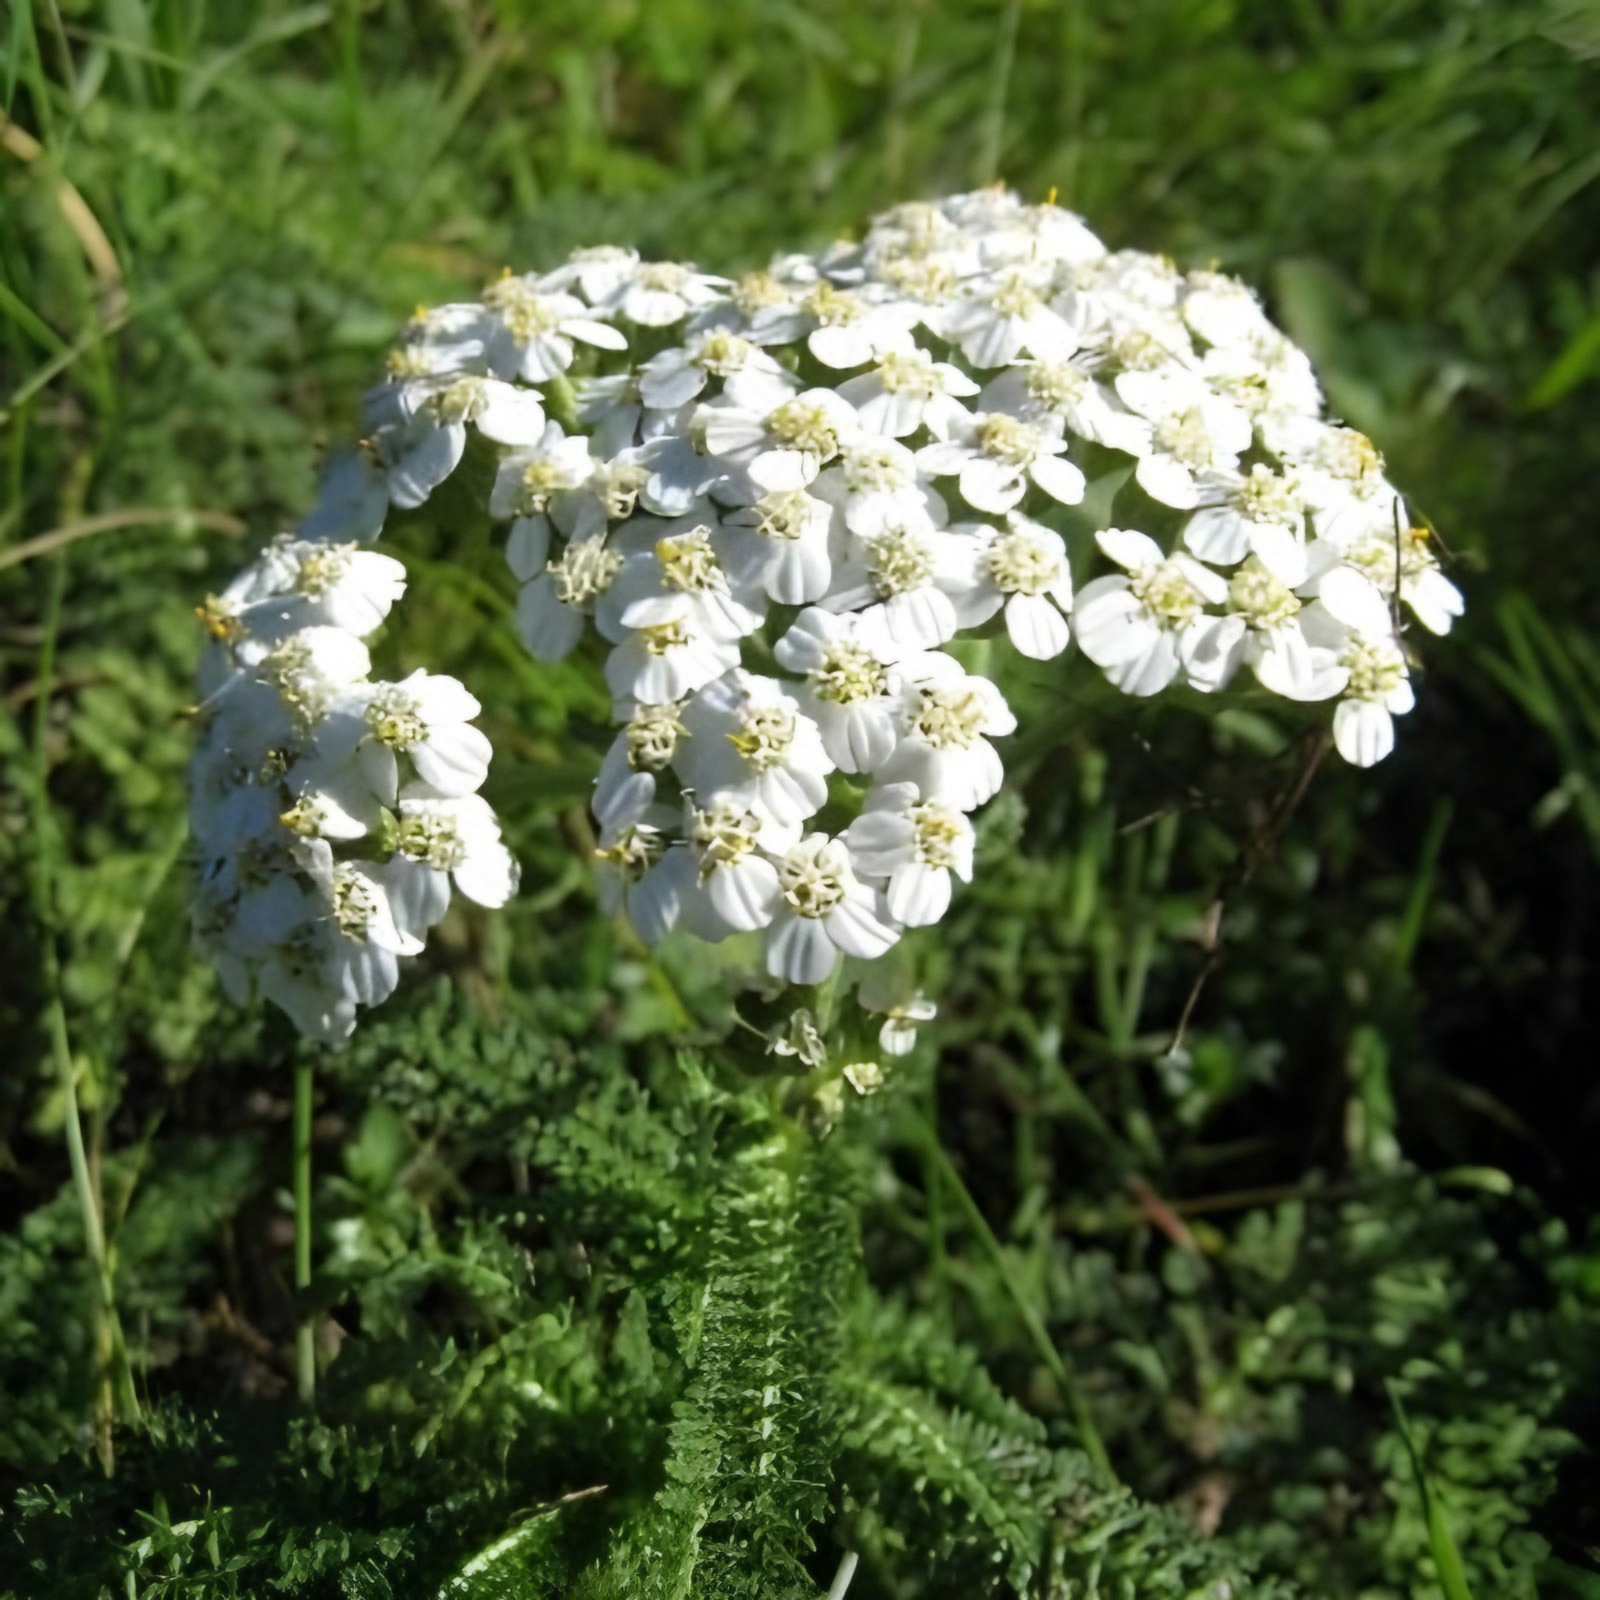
x,y
212,219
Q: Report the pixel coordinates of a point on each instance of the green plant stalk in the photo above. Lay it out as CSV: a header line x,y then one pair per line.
x,y
114,1381
305,1346
1088,1435
1452,1574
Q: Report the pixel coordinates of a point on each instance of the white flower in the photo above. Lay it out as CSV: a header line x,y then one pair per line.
x,y
679,579
426,717
781,446
676,616
1250,361
644,876
740,882
849,687
597,270
298,583
823,910
308,671
352,501
1265,627
887,994
748,742
1376,690
551,609
1342,476
1135,626
333,798
781,544
655,294
1193,431
531,332
1003,318
996,455
1023,570
360,940
916,844
877,485
626,783
945,718
440,840
1261,513
676,376
908,390
842,327
902,582
529,479
421,426
1377,557
1067,394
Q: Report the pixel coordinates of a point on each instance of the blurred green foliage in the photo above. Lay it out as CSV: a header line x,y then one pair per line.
x,y
603,1318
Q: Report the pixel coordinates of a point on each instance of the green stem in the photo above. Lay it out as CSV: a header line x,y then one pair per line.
x,y
305,1332
1088,1434
114,1380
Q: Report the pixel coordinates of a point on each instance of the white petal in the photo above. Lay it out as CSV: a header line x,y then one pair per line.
x,y
528,547
488,877
1037,629
549,629
453,760
1148,673
799,950
857,926
1166,480
1363,731
745,895
1129,548
1354,600
1059,479
919,895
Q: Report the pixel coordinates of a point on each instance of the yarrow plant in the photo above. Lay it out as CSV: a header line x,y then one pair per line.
x,y
774,504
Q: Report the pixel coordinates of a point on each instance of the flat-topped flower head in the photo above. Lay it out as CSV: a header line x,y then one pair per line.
x,y
768,484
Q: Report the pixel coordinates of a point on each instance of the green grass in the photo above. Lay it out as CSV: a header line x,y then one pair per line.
x,y
212,218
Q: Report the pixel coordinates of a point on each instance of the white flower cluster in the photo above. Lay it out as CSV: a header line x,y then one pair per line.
x,y
777,502
331,812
